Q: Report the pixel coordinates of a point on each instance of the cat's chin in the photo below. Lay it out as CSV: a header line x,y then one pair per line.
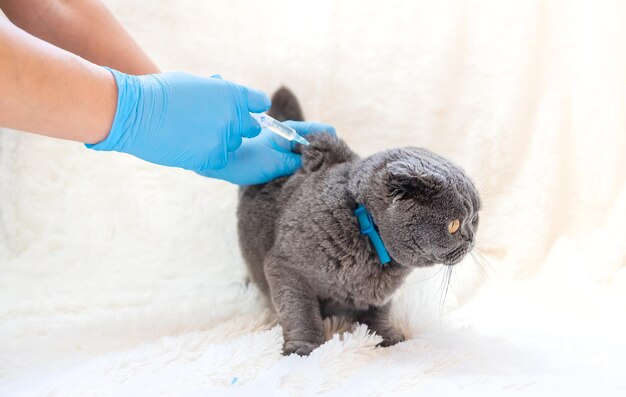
x,y
433,260
454,259
422,261
452,263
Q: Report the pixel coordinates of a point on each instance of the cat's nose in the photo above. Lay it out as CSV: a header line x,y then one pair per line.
x,y
467,235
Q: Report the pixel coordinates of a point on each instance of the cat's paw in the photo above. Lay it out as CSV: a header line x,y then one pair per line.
x,y
301,348
391,337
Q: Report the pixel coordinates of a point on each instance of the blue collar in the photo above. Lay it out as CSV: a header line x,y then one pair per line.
x,y
367,226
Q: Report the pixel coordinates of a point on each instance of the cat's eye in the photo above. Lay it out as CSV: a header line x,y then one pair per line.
x,y
453,226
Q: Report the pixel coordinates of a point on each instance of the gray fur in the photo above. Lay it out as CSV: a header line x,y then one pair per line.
x,y
301,242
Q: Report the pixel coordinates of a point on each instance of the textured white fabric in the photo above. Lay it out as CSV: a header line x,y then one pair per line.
x,y
120,278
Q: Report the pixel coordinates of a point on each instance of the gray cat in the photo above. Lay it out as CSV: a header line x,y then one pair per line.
x,y
302,241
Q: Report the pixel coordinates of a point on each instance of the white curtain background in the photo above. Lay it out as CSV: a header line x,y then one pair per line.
x,y
118,277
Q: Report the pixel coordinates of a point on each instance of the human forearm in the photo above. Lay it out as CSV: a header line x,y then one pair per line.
x,y
85,28
49,91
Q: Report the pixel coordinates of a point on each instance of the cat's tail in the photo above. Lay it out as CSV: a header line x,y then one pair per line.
x,y
324,149
285,106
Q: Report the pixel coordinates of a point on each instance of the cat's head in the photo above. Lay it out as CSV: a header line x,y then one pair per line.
x,y
425,207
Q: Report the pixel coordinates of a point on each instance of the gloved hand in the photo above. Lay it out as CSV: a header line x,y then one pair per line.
x,y
180,120
265,157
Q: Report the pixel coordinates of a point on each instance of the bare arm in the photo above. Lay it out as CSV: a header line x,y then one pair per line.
x,y
49,91
86,28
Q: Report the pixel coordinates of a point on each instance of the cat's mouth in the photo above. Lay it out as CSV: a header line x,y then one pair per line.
x,y
456,255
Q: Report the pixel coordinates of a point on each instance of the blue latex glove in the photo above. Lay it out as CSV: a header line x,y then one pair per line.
x,y
180,120
265,157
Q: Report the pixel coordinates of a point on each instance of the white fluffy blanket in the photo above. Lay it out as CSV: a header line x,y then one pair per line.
x,y
120,278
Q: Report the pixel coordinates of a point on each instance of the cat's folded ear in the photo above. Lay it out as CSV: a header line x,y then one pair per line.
x,y
411,178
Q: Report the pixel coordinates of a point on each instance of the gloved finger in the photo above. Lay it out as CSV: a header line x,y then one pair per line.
x,y
215,162
281,164
289,163
307,127
249,127
234,142
257,100
269,139
216,76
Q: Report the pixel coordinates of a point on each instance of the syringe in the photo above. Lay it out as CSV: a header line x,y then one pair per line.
x,y
278,128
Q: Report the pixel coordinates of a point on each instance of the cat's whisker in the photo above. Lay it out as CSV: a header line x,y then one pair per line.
x,y
440,291
483,256
500,172
484,264
429,277
482,272
487,268
490,187
477,262
446,286
480,242
486,180
492,193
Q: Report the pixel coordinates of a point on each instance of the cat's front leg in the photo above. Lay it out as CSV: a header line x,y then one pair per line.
x,y
377,319
297,308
